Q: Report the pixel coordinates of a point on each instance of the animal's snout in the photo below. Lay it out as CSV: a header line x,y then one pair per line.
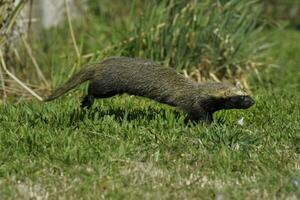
x,y
248,101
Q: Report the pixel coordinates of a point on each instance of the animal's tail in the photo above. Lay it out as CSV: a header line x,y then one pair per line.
x,y
83,75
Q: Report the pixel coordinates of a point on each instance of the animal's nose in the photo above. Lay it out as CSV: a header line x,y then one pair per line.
x,y
248,101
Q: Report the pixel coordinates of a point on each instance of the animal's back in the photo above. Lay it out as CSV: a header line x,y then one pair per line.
x,y
144,77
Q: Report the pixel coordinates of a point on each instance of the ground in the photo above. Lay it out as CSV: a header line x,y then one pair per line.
x,y
131,148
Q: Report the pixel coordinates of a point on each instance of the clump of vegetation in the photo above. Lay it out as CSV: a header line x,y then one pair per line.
x,y
12,42
8,16
208,39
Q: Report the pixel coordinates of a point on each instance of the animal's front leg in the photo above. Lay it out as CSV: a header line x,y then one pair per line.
x,y
199,116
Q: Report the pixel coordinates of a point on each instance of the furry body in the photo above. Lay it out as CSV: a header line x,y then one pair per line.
x,y
147,79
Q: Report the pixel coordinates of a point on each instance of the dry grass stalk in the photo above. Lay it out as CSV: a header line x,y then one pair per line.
x,y
3,64
3,85
10,85
35,64
71,30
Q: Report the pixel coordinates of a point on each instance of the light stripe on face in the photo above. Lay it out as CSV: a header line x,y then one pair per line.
x,y
239,92
233,91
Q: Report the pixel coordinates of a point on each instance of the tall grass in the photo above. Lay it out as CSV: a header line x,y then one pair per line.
x,y
11,38
217,38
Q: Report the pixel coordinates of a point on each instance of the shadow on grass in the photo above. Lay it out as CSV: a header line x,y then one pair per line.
x,y
121,114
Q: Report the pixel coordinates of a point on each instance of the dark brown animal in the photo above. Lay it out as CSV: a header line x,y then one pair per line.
x,y
145,78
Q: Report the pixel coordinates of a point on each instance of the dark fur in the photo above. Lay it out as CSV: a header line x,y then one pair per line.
x,y
145,78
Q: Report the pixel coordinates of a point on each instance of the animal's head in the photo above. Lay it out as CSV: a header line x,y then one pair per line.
x,y
227,96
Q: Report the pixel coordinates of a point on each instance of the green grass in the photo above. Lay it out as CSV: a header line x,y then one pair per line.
x,y
132,148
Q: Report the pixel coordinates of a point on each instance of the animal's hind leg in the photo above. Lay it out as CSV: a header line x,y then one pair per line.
x,y
88,100
96,90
